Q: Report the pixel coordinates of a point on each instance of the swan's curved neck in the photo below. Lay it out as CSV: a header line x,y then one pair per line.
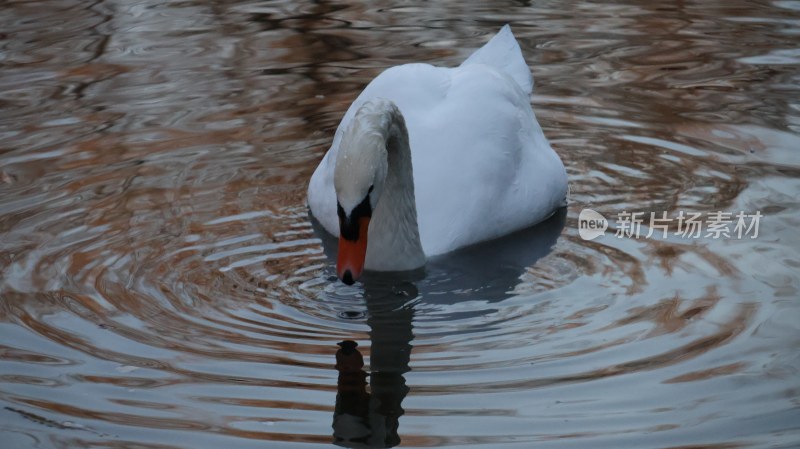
x,y
394,243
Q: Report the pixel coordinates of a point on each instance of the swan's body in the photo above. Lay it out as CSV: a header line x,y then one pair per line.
x,y
473,165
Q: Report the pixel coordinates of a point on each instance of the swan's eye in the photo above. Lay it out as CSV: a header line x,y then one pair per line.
x,y
370,189
349,225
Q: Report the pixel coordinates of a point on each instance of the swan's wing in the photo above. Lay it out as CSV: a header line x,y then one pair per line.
x,y
482,166
502,53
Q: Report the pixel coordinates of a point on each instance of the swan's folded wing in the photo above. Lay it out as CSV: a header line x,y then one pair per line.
x,y
482,166
502,53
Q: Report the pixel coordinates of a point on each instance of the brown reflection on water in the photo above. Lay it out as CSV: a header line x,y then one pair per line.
x,y
162,286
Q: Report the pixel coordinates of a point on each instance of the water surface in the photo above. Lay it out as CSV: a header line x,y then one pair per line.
x,y
163,286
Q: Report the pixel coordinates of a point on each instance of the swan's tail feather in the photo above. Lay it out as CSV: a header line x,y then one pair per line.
x,y
503,53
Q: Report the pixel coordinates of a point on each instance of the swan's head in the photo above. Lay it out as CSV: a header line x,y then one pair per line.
x,y
359,176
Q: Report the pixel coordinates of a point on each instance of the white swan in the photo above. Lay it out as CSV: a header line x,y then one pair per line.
x,y
429,159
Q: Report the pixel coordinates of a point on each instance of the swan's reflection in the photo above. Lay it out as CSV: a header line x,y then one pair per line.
x,y
351,414
370,417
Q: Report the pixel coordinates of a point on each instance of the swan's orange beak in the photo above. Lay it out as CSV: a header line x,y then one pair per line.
x,y
350,262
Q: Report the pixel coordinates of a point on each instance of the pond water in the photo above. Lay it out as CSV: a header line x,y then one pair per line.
x,y
163,286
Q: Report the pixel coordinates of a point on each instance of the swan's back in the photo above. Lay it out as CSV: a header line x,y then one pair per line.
x,y
482,166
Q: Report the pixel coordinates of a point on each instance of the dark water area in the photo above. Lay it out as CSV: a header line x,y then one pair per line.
x,y
163,286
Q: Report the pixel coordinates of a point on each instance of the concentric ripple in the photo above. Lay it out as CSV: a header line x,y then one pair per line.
x,y
163,285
